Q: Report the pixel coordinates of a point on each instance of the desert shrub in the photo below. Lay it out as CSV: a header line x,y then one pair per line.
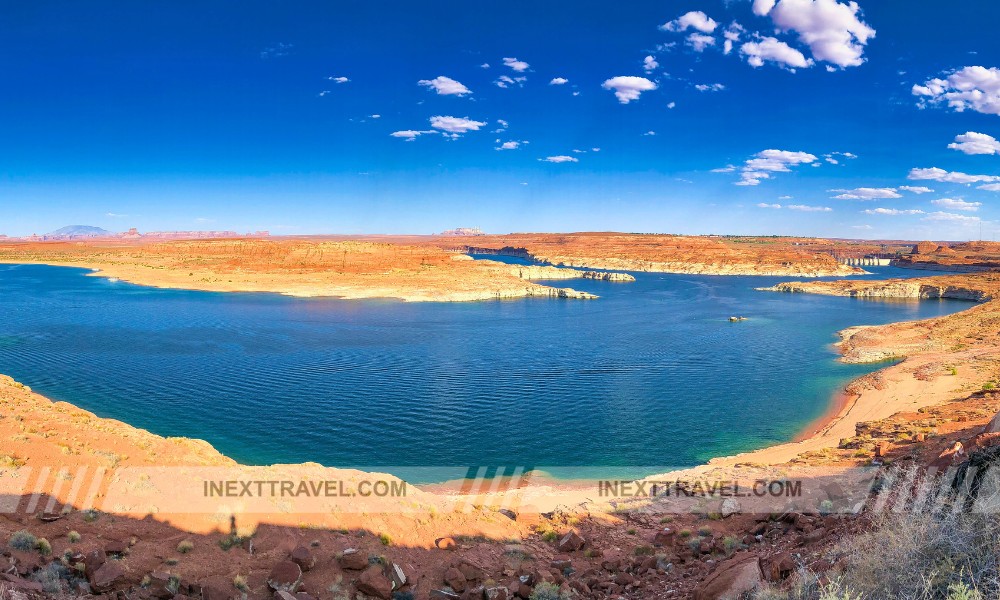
x,y
55,577
43,546
385,539
922,555
73,537
547,591
240,583
185,546
23,541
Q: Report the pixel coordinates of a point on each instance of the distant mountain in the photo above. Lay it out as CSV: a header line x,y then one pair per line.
x,y
80,231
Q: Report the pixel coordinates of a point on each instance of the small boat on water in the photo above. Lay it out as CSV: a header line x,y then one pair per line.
x,y
734,319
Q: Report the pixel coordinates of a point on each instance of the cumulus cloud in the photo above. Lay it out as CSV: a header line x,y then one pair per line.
x,y
833,31
766,205
559,159
456,125
700,41
628,88
766,162
892,211
649,64
957,204
969,88
338,79
410,134
694,19
953,217
518,65
991,187
915,189
445,86
559,81
804,208
512,145
711,87
971,142
937,174
774,50
867,193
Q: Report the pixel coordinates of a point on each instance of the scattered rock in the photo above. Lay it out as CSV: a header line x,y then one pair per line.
x,y
160,585
730,506
303,557
664,537
778,567
455,579
285,576
107,576
571,542
353,560
731,579
445,543
373,582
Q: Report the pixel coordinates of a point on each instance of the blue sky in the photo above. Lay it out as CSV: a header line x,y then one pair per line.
x,y
818,118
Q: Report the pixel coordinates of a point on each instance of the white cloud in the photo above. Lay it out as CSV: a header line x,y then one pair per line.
x,y
725,169
937,174
973,88
892,211
774,50
410,134
762,7
595,149
700,41
671,104
503,123
324,93
712,87
650,132
866,193
338,79
512,145
971,142
559,159
732,35
628,88
559,81
505,82
804,208
484,66
833,31
915,189
957,204
649,64
375,116
861,227
762,164
953,217
518,65
766,205
694,19
455,125
115,215
991,187
445,86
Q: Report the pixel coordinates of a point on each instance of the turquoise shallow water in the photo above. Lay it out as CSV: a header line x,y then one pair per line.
x,y
651,374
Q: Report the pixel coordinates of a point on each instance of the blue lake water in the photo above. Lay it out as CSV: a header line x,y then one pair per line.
x,y
652,373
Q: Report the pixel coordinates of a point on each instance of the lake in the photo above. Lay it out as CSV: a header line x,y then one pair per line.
x,y
652,373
